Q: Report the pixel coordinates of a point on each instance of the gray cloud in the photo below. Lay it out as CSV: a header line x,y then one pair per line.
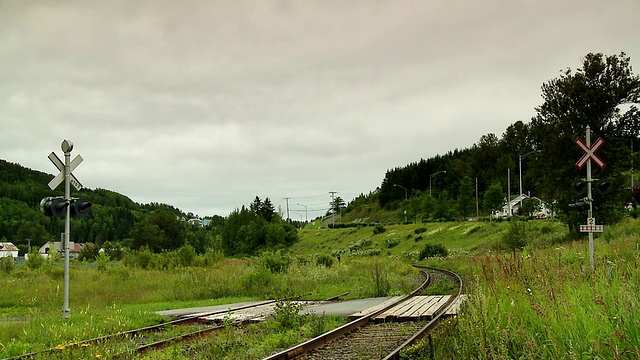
x,y
206,104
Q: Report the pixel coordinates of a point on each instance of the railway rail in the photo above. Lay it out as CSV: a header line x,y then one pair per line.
x,y
363,338
139,333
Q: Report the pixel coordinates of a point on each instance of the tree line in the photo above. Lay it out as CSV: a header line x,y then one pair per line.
x,y
603,95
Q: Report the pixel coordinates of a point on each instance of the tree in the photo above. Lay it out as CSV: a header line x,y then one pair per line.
x,y
336,204
595,95
466,197
161,230
493,199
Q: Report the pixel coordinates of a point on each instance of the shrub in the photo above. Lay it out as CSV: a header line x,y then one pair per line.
x,y
7,264
390,243
380,277
89,253
35,260
276,262
420,230
516,236
288,314
325,260
103,260
186,255
379,229
434,250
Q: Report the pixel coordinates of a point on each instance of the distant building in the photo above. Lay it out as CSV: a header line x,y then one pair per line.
x,y
50,247
8,249
512,207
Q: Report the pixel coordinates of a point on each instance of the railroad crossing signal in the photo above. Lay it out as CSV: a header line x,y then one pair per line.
x,y
590,153
602,188
60,177
65,206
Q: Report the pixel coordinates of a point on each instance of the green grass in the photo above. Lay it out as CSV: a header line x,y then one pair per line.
x,y
544,303
460,238
547,304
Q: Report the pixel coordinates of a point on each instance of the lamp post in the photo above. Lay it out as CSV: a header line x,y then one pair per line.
x,y
432,176
306,214
520,157
405,198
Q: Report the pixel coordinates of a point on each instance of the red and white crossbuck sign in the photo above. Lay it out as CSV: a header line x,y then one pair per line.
x,y
590,153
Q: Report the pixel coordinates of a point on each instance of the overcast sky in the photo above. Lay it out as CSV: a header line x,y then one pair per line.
x,y
206,104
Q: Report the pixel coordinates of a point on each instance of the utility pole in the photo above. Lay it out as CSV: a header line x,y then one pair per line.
x,y
287,200
332,193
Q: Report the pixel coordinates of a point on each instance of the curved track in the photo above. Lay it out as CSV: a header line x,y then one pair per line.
x,y
364,339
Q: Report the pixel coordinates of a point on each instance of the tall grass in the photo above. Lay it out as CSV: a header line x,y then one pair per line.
x,y
548,304
119,298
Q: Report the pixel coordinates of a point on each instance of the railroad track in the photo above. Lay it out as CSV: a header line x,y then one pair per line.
x,y
364,338
197,326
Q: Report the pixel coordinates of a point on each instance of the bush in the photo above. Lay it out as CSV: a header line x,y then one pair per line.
x,y
7,264
186,255
35,260
516,236
433,251
420,230
390,243
379,229
276,262
325,260
89,253
380,277
288,314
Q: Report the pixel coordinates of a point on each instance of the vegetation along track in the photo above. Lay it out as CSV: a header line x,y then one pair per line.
x,y
143,341
363,338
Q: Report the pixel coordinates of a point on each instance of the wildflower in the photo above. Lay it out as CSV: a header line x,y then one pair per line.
x,y
98,356
513,304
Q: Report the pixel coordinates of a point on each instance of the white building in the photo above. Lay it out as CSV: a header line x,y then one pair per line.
x,y
8,249
512,207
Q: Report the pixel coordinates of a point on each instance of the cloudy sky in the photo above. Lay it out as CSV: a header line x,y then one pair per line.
x,y
206,104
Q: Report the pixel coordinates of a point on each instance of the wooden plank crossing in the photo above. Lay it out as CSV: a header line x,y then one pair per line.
x,y
257,313
455,307
415,308
372,309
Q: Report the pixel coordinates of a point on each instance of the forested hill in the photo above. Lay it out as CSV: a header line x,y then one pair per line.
x,y
603,95
116,222
111,219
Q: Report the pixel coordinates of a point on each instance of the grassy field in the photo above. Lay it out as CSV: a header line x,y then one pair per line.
x,y
543,303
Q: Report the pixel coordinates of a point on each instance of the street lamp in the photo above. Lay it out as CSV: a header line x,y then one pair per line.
x,y
405,198
431,177
405,190
520,157
306,214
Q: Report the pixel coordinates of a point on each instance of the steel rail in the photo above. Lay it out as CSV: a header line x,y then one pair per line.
x,y
395,354
185,320
332,335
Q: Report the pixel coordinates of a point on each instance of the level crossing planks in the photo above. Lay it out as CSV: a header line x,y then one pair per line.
x,y
416,308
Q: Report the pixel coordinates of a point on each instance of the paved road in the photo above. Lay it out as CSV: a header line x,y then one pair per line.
x,y
343,308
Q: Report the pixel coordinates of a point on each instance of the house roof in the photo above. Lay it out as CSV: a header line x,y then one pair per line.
x,y
7,246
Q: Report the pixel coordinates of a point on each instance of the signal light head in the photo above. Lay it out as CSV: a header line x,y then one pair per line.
x,y
80,207
579,187
54,206
603,187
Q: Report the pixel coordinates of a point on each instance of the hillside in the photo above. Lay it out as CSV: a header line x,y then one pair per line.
x,y
407,241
